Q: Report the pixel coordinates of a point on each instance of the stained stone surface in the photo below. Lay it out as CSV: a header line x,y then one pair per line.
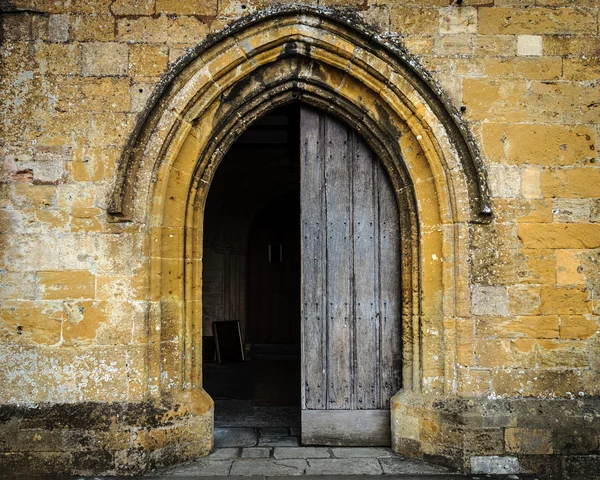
x,y
281,441
224,454
361,452
358,463
235,437
302,452
256,452
201,468
400,465
269,467
346,466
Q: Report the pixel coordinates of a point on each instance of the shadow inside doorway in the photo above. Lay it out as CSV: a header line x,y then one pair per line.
x,y
258,393
251,273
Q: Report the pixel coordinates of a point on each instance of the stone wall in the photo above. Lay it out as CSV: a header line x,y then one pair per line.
x,y
76,284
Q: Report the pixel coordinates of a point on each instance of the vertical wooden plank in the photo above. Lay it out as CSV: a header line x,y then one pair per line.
x,y
312,214
339,265
366,277
390,289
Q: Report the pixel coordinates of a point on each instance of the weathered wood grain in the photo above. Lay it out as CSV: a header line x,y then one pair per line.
x,y
351,281
338,204
312,213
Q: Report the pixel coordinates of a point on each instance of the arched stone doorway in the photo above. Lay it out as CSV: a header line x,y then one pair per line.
x,y
298,54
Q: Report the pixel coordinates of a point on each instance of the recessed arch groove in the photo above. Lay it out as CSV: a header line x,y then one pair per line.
x,y
252,41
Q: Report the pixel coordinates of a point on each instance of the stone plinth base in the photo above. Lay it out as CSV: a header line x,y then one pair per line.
x,y
103,439
554,438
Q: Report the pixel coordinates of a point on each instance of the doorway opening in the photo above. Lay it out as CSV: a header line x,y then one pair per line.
x,y
251,274
302,248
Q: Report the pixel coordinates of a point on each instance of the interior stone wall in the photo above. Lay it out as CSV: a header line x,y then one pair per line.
x,y
79,389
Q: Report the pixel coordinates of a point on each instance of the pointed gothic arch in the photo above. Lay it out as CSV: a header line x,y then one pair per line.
x,y
281,56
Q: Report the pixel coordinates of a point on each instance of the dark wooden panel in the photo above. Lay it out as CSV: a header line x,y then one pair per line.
x,y
312,193
338,185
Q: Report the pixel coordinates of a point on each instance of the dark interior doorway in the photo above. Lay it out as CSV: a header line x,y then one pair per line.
x,y
251,273
274,274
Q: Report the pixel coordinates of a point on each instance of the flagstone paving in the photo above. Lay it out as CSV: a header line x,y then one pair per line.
x,y
273,454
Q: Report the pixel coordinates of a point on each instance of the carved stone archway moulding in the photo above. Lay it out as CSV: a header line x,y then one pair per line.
x,y
277,57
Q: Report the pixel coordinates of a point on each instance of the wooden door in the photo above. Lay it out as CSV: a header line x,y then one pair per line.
x,y
350,287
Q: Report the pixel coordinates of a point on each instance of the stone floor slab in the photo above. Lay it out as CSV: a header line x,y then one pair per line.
x,y
274,432
256,452
278,441
200,468
269,467
345,466
224,454
235,437
399,465
361,452
301,452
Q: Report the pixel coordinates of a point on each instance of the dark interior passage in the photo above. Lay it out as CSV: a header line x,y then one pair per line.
x,y
274,274
252,274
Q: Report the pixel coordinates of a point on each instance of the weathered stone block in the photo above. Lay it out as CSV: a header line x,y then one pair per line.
x,y
505,353
502,101
106,94
127,7
420,21
104,59
535,382
575,441
531,179
191,7
496,465
582,466
474,382
16,27
581,69
568,236
524,300
539,144
495,45
566,299
58,58
256,452
532,69
535,21
93,28
458,20
505,181
579,326
570,268
142,29
489,300
66,284
529,441
554,102
147,60
523,326
33,322
58,28
529,45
